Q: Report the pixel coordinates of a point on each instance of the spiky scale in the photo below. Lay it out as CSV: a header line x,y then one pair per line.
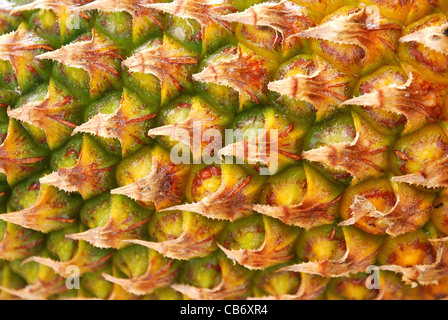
x,y
112,234
162,183
160,272
419,100
243,71
53,210
284,17
427,272
267,254
269,140
203,118
7,22
407,211
364,157
322,85
310,211
197,238
87,258
20,155
20,243
353,29
169,62
90,176
419,158
233,198
142,17
127,123
21,48
99,57
360,252
422,56
208,36
46,114
234,284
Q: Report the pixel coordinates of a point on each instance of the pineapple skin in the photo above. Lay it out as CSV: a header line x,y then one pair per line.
x,y
94,95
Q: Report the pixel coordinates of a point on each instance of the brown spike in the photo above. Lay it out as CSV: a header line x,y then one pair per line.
x,y
63,268
263,148
7,163
102,125
360,27
38,290
433,175
176,131
115,125
95,57
74,179
406,216
228,203
243,72
46,215
19,47
433,37
249,149
163,186
62,179
358,157
276,248
91,174
362,207
265,256
344,30
163,62
284,17
348,157
324,87
186,247
19,156
326,268
424,274
333,268
419,100
136,8
203,11
146,283
183,131
307,214
46,115
360,252
220,292
108,236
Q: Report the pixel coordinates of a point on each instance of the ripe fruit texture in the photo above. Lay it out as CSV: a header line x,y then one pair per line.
x,y
96,95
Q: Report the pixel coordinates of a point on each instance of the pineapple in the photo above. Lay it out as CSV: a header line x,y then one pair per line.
x,y
97,95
